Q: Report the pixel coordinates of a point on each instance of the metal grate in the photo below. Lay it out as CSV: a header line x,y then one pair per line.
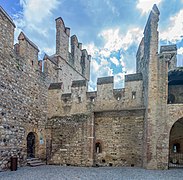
x,y
176,160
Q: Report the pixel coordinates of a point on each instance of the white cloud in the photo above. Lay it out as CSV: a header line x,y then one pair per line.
x,y
180,51
175,31
146,5
114,61
35,11
119,80
37,21
114,40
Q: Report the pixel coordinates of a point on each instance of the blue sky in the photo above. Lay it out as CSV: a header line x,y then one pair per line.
x,y
109,29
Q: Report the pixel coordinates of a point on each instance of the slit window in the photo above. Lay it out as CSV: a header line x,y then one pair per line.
x,y
176,148
133,95
98,148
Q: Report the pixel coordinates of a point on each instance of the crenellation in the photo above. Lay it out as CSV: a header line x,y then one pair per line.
x,y
28,50
7,28
62,39
170,54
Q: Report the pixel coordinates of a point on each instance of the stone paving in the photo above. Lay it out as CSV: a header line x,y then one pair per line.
x,y
90,173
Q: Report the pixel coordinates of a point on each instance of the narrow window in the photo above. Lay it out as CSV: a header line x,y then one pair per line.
x,y
79,99
98,148
133,95
176,148
32,63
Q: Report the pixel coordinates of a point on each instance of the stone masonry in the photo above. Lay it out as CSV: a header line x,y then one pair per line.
x,y
139,125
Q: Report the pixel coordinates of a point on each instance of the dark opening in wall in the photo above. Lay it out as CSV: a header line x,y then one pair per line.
x,y
171,99
79,99
176,148
98,147
32,63
133,95
92,99
103,160
110,164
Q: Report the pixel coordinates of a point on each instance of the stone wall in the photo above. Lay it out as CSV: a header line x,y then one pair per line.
x,y
6,31
23,97
176,91
23,108
70,137
120,134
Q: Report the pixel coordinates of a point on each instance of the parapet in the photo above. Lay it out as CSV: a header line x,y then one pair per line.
x,y
60,23
7,32
133,77
168,48
79,83
23,37
51,59
105,80
7,16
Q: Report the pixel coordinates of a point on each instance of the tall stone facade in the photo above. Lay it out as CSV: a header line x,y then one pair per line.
x,y
52,116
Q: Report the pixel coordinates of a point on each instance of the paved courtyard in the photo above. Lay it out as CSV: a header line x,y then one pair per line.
x,y
91,173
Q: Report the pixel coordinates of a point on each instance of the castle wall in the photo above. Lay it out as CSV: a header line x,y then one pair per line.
x,y
23,101
62,39
71,140
50,69
176,91
120,134
23,109
6,31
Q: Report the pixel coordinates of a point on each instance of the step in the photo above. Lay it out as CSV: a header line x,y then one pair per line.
x,y
36,164
35,161
32,159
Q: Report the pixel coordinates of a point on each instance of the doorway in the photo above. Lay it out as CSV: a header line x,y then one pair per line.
x,y
31,143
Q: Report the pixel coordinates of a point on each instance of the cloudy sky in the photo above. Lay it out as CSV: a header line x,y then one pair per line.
x,y
109,29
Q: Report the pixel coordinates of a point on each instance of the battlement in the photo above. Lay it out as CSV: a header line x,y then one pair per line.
x,y
133,77
7,27
78,58
79,83
168,48
105,80
169,53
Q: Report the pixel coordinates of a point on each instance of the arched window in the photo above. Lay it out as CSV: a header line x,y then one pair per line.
x,y
98,147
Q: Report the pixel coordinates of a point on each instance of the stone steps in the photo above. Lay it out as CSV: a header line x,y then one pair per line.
x,y
34,162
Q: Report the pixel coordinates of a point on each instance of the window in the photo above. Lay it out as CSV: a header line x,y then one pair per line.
x,y
98,148
176,148
92,99
133,95
32,63
79,99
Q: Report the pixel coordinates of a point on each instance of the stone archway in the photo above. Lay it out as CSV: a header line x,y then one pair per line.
x,y
176,144
31,145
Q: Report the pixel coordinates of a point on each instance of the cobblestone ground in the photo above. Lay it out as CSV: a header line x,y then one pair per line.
x,y
91,173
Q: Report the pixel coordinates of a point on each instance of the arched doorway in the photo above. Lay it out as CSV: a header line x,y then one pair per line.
x,y
31,143
176,144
